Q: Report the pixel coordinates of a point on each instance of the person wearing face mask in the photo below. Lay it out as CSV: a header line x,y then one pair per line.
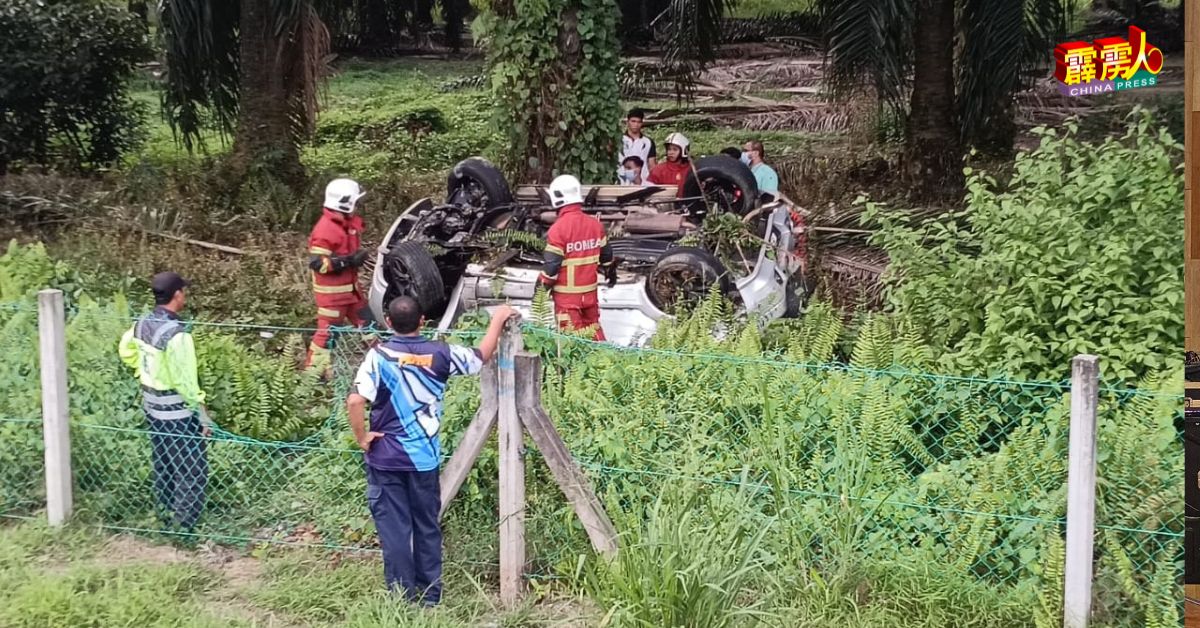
x,y
753,156
630,172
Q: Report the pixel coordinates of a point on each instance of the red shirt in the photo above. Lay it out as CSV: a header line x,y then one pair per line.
x,y
670,173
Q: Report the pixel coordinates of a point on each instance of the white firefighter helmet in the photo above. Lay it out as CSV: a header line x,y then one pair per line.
x,y
565,190
342,194
680,140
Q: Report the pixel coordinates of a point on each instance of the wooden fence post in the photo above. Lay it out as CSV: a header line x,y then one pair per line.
x,y
512,399
512,468
473,440
1081,492
567,474
52,341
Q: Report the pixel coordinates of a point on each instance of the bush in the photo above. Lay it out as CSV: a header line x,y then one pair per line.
x,y
1078,253
64,67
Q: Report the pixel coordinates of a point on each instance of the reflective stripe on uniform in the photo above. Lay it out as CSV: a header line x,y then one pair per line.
x,y
565,289
319,289
326,265
162,331
328,313
161,397
166,414
316,250
580,261
550,248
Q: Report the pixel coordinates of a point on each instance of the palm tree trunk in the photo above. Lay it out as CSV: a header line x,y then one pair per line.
x,y
932,156
375,23
263,136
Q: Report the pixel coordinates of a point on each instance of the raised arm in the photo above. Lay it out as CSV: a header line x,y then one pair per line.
x,y
487,347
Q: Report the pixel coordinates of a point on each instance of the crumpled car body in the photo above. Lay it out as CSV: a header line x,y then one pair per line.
x,y
479,269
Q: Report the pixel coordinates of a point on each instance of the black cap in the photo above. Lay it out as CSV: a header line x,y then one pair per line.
x,y
165,285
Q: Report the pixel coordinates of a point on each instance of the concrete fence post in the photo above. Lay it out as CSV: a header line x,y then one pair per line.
x,y
52,341
1081,492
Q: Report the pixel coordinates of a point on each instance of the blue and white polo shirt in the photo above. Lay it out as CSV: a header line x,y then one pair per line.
x,y
405,381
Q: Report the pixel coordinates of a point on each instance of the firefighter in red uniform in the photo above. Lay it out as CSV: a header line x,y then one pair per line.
x,y
334,257
576,249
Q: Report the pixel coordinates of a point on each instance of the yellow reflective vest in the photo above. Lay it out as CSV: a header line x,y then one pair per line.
x,y
163,358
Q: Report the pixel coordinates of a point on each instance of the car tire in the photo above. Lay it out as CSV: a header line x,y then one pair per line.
x,y
688,269
410,270
730,176
481,181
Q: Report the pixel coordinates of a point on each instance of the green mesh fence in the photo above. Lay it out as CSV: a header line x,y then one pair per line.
x,y
896,466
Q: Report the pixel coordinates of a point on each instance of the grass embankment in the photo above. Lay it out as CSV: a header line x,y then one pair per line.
x,y
82,576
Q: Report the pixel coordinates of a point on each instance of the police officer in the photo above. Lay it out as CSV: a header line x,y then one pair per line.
x,y
163,357
576,249
334,259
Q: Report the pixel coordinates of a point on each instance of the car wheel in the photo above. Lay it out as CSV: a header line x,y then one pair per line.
x,y
411,271
683,276
476,182
726,182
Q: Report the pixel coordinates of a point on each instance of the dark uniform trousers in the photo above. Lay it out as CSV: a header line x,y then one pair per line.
x,y
180,469
405,505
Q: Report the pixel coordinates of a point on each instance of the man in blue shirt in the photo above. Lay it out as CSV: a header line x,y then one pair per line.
x,y
753,156
404,380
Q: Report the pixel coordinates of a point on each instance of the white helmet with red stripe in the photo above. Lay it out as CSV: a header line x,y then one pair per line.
x,y
565,190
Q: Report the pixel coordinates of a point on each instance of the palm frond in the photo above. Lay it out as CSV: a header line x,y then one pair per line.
x,y
203,64
307,66
201,77
692,31
868,40
1000,41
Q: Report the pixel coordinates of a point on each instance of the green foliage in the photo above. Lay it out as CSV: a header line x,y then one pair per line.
x,y
54,579
817,493
686,564
513,238
387,118
263,399
553,68
64,69
1076,254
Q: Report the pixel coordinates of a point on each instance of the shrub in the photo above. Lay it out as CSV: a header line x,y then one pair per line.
x,y
1078,253
64,67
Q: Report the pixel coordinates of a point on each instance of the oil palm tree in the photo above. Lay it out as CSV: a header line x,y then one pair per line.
x,y
251,68
950,69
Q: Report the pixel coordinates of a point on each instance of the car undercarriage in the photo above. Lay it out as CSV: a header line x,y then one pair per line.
x,y
483,247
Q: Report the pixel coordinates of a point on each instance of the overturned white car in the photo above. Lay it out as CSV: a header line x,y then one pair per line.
x,y
483,247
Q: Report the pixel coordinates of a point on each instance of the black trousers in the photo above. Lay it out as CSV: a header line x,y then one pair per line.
x,y
404,505
180,469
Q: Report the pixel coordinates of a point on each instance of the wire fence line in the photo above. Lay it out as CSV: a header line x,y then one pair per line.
x,y
967,471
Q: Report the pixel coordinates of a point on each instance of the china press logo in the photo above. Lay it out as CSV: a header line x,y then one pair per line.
x,y
1107,65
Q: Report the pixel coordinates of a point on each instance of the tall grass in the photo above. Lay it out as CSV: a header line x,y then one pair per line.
x,y
689,563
